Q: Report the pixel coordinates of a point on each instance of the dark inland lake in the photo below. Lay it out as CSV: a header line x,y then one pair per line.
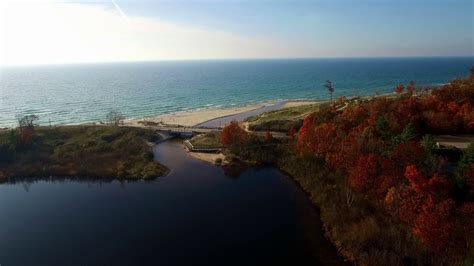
x,y
197,215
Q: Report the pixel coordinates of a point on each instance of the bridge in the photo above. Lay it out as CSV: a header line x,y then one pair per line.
x,y
189,132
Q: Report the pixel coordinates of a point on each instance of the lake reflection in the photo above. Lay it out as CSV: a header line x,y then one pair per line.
x,y
194,216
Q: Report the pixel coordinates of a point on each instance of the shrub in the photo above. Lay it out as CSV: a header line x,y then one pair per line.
x,y
466,160
233,135
364,175
435,224
114,118
7,154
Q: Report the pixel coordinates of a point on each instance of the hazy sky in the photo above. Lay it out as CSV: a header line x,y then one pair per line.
x,y
44,32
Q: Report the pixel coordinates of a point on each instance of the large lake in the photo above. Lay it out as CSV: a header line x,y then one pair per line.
x,y
65,94
197,215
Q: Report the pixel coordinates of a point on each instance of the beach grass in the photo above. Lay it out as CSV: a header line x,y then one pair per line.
x,y
209,140
80,151
282,120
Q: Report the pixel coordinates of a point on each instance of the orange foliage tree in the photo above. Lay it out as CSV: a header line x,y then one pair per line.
x,y
291,134
306,137
435,224
268,136
364,175
399,89
408,153
233,134
376,145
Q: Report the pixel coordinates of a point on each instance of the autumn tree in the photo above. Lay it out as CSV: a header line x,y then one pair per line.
x,y
408,153
469,179
377,145
324,139
404,203
417,180
465,226
233,134
411,87
399,89
306,136
346,150
435,224
291,134
364,175
268,136
27,125
466,160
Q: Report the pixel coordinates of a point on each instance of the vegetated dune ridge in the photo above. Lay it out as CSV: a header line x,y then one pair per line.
x,y
388,194
79,151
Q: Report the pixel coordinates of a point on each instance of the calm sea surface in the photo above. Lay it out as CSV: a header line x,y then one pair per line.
x,y
197,215
71,94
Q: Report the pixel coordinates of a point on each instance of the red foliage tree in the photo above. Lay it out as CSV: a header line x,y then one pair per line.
x,y
417,180
408,110
411,87
446,114
233,134
404,203
465,215
408,153
357,142
268,136
435,224
291,134
457,90
399,89
306,137
325,139
411,203
469,177
391,175
466,113
438,187
26,136
352,117
346,151
363,176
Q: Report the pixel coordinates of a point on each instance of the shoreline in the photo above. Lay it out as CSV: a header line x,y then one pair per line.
x,y
218,117
201,117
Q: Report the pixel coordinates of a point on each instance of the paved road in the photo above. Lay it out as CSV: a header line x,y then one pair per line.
x,y
458,141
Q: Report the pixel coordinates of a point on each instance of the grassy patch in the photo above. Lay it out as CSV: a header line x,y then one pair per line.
x,y
209,140
282,120
81,151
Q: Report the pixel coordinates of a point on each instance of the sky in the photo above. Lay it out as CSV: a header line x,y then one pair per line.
x,y
57,32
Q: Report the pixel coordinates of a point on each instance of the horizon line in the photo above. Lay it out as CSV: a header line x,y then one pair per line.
x,y
235,59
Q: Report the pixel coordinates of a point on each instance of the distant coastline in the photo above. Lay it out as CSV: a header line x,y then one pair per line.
x,y
219,117
85,93
201,117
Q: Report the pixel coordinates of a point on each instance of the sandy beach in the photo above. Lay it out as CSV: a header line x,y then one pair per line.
x,y
208,157
193,118
290,104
